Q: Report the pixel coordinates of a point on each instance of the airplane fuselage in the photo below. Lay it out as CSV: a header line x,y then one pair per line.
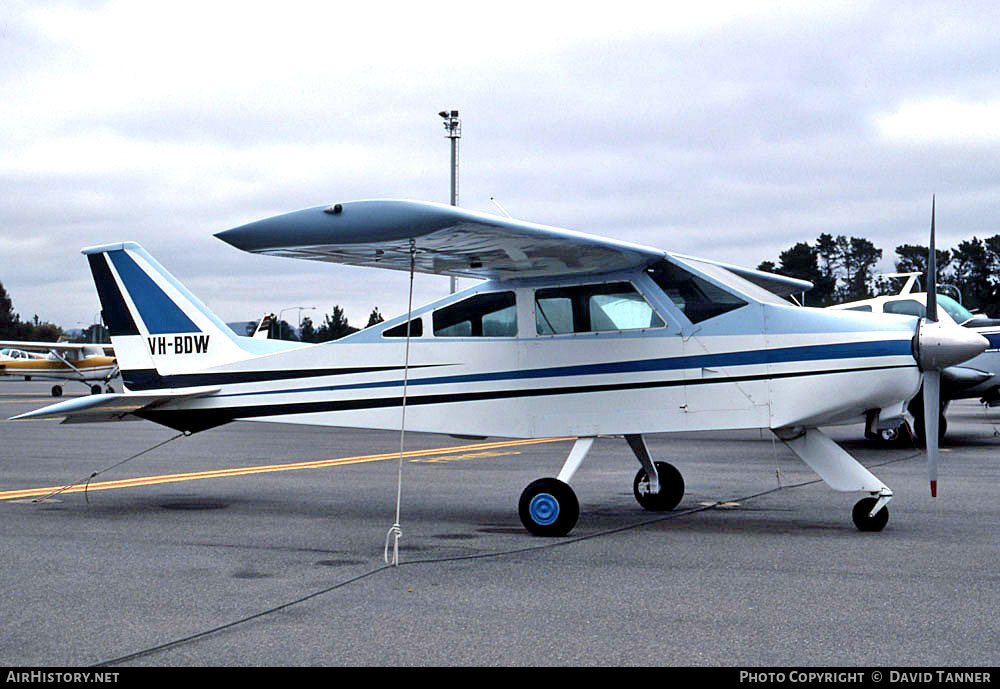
x,y
744,368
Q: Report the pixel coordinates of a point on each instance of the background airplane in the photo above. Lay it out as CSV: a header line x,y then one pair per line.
x,y
568,335
90,364
9,354
977,378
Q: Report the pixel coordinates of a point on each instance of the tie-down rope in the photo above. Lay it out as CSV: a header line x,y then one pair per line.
x,y
395,533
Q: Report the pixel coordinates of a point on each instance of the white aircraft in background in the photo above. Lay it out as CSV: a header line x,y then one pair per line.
x,y
10,354
977,378
90,364
569,335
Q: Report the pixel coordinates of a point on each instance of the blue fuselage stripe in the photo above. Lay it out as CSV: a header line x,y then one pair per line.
x,y
812,353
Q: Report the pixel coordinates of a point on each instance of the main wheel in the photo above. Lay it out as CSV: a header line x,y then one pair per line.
x,y
56,391
548,507
95,389
671,488
866,523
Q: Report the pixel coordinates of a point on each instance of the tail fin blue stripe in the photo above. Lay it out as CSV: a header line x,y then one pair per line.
x,y
158,311
113,308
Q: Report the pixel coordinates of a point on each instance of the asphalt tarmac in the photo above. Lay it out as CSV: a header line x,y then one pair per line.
x,y
262,545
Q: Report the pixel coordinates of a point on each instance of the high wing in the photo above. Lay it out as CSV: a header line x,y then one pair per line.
x,y
57,346
452,241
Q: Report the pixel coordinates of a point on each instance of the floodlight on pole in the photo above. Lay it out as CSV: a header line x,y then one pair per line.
x,y
453,131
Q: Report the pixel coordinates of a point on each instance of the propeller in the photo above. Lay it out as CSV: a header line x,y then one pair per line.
x,y
932,378
936,347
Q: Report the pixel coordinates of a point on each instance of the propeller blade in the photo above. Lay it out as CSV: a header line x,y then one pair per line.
x,y
932,314
932,406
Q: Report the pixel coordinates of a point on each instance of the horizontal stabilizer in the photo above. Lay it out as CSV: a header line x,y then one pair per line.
x,y
109,407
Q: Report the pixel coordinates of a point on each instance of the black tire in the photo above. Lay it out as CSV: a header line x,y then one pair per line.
x,y
95,389
918,429
671,488
548,507
57,391
866,523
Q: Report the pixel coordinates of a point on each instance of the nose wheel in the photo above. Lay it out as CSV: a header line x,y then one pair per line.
x,y
671,488
864,520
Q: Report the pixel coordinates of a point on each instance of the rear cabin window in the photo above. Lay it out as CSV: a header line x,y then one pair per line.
x,y
592,308
416,329
484,315
698,299
863,307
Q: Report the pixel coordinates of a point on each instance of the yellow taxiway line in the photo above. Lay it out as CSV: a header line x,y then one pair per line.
x,y
244,471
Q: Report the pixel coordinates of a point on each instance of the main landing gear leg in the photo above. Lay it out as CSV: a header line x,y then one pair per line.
x,y
841,472
548,506
658,486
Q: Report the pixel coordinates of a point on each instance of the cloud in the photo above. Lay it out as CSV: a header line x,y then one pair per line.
x,y
942,120
731,130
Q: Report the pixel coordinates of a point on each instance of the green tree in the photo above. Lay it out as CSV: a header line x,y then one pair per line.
x,y
374,318
13,328
307,333
860,256
802,261
976,264
8,319
912,258
335,326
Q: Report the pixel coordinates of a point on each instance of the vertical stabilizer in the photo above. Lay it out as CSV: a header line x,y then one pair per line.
x,y
158,328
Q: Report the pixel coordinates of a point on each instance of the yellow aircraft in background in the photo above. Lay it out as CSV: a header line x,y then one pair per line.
x,y
90,364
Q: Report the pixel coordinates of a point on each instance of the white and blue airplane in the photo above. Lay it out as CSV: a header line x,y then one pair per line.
x,y
567,334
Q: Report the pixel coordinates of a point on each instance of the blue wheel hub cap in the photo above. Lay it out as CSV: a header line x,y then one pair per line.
x,y
544,509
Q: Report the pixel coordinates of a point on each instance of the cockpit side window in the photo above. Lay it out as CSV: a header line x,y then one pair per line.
x,y
697,298
493,314
600,307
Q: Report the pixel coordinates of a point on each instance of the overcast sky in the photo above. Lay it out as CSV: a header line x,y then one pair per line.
x,y
724,130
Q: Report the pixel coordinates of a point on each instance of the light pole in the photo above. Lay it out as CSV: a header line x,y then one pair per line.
x,y
453,131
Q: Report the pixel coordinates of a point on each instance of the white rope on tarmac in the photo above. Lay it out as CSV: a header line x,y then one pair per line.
x,y
395,532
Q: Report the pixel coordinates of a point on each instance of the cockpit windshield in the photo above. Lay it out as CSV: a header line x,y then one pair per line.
x,y
912,307
958,313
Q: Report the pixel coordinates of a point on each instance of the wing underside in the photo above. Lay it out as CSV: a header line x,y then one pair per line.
x,y
447,241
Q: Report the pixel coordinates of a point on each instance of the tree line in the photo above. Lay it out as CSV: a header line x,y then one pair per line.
x,y
333,327
13,328
842,270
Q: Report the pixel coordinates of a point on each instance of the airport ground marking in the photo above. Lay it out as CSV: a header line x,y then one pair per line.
x,y
468,452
